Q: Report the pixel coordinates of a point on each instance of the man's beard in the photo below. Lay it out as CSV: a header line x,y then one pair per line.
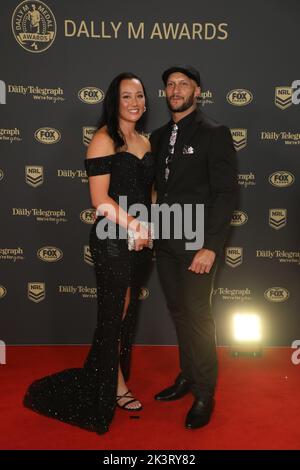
x,y
186,105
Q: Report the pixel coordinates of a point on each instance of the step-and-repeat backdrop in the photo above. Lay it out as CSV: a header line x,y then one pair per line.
x,y
57,59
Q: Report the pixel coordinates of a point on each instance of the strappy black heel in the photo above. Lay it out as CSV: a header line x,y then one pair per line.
x,y
130,399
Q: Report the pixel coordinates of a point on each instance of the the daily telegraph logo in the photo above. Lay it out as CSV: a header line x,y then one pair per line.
x,y
239,137
233,256
277,218
34,175
12,254
87,134
38,93
281,179
10,135
276,294
206,97
282,256
287,137
47,135
285,96
91,95
239,218
36,291
34,26
239,97
233,294
49,254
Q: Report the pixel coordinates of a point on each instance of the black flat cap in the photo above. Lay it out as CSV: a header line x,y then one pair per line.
x,y
187,70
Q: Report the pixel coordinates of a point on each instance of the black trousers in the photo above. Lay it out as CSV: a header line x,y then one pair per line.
x,y
188,297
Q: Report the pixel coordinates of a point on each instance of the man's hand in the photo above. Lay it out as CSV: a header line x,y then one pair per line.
x,y
202,261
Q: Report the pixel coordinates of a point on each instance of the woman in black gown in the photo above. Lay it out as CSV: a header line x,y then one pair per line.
x,y
118,163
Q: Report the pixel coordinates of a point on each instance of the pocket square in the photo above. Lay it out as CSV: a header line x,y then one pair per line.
x,y
188,150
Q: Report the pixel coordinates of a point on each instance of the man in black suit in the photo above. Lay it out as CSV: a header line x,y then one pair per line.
x,y
195,165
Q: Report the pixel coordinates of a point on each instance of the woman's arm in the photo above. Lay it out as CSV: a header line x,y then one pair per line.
x,y
153,194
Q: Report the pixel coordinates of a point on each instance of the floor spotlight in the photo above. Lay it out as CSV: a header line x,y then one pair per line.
x,y
247,334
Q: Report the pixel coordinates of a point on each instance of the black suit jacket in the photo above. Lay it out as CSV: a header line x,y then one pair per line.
x,y
208,176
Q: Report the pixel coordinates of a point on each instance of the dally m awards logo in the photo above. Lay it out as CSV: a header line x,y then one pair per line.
x,y
277,218
233,256
87,134
239,137
239,97
281,179
36,291
276,294
91,95
34,26
87,256
34,175
47,135
49,254
239,218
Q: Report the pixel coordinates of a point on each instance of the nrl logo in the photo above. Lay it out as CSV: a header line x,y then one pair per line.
x,y
233,256
283,96
34,175
36,291
239,137
277,218
87,134
87,256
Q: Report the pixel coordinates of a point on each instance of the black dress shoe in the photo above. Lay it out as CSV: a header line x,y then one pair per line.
x,y
200,413
180,388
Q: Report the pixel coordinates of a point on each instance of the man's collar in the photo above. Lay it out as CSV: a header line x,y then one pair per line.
x,y
186,120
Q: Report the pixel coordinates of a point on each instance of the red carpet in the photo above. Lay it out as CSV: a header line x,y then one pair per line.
x,y
257,403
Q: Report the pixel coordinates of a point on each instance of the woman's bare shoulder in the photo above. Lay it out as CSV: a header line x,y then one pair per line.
x,y
101,145
146,141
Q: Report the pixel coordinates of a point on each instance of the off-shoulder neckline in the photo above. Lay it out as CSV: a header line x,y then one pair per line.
x,y
114,154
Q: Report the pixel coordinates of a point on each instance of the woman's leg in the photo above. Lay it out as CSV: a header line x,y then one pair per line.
x,y
122,387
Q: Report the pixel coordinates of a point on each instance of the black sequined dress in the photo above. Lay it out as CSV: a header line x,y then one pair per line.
x,y
86,397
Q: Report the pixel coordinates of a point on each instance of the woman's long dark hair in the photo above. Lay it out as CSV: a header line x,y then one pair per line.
x,y
110,112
